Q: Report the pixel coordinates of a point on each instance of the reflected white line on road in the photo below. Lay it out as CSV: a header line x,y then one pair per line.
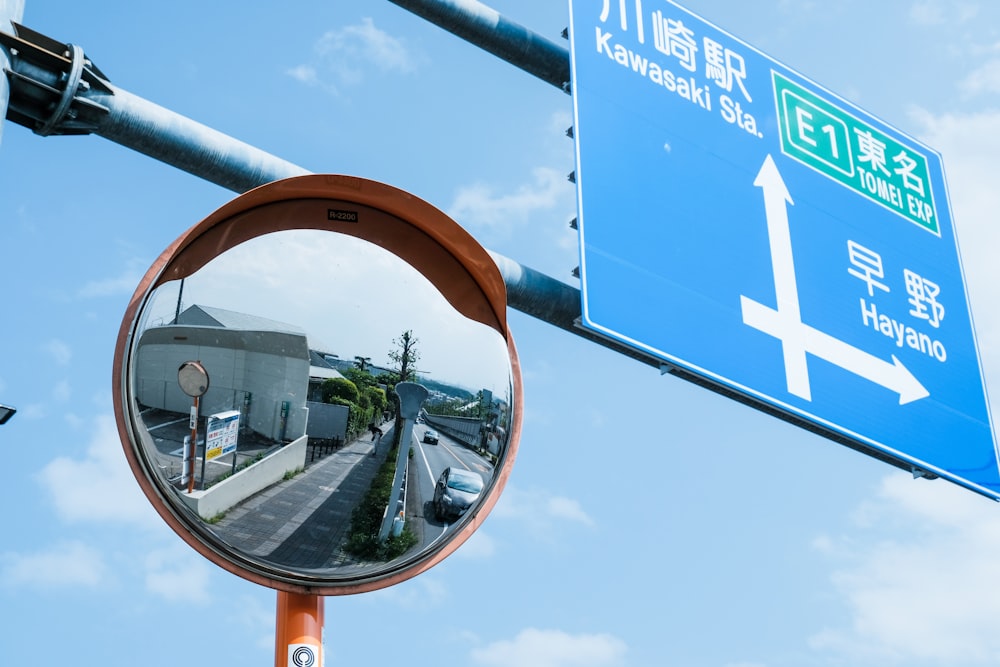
x,y
431,476
439,536
176,421
455,456
427,464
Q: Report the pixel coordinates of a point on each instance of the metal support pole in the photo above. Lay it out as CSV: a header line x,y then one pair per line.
x,y
57,90
486,28
186,144
552,301
298,632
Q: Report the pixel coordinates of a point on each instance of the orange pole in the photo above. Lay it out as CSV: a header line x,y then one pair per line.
x,y
298,633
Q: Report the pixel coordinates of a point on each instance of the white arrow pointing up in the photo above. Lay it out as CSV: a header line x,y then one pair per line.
x,y
785,322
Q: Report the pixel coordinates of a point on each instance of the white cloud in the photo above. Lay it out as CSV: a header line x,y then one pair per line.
x,y
479,205
99,487
936,12
923,587
479,546
343,57
969,143
69,564
59,351
178,575
985,79
553,648
306,74
377,46
559,122
258,619
928,13
61,391
420,593
541,512
124,283
33,411
565,508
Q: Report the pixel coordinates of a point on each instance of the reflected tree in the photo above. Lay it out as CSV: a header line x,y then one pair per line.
x,y
339,388
361,378
405,356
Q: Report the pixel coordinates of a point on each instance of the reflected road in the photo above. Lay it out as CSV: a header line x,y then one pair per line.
x,y
430,461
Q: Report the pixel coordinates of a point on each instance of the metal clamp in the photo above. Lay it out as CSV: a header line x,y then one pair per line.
x,y
54,87
72,82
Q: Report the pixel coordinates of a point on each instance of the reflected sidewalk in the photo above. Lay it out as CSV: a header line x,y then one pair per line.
x,y
303,522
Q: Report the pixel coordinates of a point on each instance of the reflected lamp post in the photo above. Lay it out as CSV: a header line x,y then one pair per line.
x,y
411,397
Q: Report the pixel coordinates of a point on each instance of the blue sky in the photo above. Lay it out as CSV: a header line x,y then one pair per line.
x,y
647,521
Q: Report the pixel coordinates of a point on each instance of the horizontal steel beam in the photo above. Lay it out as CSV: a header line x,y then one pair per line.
x,y
486,28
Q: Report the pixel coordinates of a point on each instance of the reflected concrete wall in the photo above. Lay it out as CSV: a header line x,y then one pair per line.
x,y
232,491
465,429
272,367
327,420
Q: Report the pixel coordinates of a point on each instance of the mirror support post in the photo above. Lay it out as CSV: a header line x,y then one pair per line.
x,y
298,632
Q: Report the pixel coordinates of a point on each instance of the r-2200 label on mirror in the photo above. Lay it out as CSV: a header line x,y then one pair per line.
x,y
341,215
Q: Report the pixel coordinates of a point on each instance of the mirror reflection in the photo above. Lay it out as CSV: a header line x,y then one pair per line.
x,y
299,454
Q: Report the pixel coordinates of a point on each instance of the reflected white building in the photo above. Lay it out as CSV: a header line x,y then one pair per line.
x,y
257,366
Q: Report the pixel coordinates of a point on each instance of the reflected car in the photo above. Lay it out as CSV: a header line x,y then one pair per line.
x,y
431,436
456,491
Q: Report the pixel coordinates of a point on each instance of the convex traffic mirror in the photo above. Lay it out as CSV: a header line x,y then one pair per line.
x,y
316,388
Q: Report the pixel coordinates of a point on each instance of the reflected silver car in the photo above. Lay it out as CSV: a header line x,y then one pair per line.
x,y
457,489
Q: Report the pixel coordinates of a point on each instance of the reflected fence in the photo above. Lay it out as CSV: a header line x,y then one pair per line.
x,y
469,431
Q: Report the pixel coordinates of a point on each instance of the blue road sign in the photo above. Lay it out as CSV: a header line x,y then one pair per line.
x,y
746,225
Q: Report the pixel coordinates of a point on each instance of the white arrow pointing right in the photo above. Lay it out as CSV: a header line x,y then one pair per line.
x,y
893,376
